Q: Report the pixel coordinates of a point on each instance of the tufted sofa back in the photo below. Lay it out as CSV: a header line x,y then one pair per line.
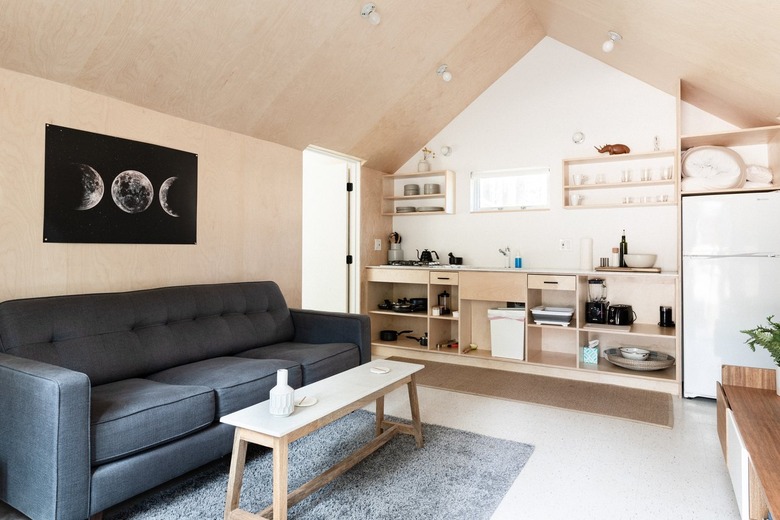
x,y
115,336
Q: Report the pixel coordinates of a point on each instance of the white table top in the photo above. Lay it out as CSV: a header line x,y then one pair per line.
x,y
332,394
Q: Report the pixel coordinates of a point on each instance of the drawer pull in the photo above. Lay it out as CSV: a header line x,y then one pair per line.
x,y
553,283
442,277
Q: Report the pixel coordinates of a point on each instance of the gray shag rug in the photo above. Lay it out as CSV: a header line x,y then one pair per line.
x,y
456,475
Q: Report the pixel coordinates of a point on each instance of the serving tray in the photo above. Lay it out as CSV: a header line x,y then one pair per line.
x,y
655,361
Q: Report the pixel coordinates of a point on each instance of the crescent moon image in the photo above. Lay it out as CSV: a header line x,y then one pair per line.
x,y
91,187
132,191
78,187
168,195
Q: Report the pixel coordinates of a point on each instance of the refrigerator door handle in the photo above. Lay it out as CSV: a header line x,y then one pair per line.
x,y
736,255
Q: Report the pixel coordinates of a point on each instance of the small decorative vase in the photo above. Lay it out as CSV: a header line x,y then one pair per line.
x,y
423,166
282,403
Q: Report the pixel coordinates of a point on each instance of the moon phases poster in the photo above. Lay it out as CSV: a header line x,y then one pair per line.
x,y
104,189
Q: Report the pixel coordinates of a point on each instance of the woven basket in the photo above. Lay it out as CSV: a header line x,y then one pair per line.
x,y
655,361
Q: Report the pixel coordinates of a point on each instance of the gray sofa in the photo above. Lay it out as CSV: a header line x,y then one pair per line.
x,y
104,396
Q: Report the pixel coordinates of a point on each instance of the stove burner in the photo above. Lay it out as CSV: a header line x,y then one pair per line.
x,y
412,263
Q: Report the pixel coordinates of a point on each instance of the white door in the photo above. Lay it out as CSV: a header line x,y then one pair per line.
x,y
329,232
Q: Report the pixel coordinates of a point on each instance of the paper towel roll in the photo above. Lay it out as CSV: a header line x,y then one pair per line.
x,y
586,254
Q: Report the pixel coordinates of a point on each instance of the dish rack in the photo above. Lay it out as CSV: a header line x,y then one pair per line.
x,y
560,316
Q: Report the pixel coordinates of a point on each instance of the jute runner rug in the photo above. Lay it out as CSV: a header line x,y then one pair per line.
x,y
616,401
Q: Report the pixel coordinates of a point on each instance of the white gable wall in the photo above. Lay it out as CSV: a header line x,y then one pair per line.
x,y
527,118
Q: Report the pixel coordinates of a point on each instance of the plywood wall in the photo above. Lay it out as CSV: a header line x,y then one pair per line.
x,y
249,201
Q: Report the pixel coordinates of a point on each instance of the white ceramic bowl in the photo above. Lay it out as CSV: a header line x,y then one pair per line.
x,y
639,354
633,260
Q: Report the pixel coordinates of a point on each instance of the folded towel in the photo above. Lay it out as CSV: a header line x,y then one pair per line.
x,y
756,173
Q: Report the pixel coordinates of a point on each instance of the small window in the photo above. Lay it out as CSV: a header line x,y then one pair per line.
x,y
510,190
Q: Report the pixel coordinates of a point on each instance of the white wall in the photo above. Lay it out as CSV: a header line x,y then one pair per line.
x,y
527,118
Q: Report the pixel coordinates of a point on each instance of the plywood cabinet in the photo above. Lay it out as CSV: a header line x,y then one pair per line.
x,y
549,348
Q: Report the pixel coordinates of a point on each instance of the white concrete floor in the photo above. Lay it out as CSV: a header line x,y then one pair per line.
x,y
594,467
589,466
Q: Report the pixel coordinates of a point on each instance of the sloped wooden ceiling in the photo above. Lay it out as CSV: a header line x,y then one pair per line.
x,y
304,72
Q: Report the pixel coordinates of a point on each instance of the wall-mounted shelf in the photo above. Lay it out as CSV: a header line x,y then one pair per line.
x,y
602,186
768,136
393,197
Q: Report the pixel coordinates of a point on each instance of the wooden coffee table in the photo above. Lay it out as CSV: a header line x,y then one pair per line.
x,y
336,397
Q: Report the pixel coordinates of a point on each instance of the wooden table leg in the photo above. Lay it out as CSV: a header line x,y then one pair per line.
x,y
380,414
280,449
236,476
414,405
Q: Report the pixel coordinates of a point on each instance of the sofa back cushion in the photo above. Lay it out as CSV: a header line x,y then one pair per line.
x,y
114,336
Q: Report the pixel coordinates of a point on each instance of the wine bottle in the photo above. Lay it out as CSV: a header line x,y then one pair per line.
x,y
623,249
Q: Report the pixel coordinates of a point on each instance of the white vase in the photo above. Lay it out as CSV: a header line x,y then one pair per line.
x,y
282,396
423,166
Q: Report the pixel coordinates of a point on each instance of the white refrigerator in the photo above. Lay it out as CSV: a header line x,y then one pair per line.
x,y
730,282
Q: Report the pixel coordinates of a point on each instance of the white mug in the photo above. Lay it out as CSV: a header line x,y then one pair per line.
x,y
576,199
579,178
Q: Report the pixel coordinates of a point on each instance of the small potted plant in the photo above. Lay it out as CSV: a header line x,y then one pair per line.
x,y
767,336
424,165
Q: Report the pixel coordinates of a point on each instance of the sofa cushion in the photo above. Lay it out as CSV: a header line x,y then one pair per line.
x,y
136,414
237,382
317,361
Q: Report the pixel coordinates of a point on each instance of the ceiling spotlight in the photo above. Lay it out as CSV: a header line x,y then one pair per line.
x,y
370,13
444,73
608,45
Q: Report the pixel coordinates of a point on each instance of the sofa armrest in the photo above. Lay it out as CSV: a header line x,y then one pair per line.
x,y
333,327
44,439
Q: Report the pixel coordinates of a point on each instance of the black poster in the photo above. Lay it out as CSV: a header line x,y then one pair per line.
x,y
103,189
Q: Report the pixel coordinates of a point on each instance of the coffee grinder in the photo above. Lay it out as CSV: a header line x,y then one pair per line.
x,y
597,305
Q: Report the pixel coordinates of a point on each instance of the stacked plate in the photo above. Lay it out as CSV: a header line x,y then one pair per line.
x,y
430,208
405,209
411,189
431,189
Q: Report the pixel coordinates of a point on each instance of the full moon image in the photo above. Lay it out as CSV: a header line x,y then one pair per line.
x,y
168,196
132,191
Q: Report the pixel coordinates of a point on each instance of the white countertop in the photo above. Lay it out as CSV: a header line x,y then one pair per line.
x,y
527,270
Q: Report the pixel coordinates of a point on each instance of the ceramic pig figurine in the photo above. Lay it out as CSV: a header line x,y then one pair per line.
x,y
613,149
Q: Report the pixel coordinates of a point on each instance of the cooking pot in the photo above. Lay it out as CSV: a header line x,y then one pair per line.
x,y
426,256
391,335
423,340
620,314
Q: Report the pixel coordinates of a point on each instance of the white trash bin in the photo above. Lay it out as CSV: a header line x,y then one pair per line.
x,y
507,332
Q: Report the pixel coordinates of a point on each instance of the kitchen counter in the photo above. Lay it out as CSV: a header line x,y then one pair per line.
x,y
526,270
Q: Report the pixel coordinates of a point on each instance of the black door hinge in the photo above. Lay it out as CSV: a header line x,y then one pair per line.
x,y
350,186
349,259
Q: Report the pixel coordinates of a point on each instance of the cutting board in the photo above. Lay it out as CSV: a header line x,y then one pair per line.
x,y
629,269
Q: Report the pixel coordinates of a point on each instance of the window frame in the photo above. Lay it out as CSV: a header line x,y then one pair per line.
x,y
475,189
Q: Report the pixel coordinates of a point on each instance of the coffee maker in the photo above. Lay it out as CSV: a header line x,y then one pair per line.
x,y
597,304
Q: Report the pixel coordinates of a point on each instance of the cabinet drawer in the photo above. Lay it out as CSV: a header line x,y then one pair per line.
x,y
508,287
397,275
552,283
439,278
